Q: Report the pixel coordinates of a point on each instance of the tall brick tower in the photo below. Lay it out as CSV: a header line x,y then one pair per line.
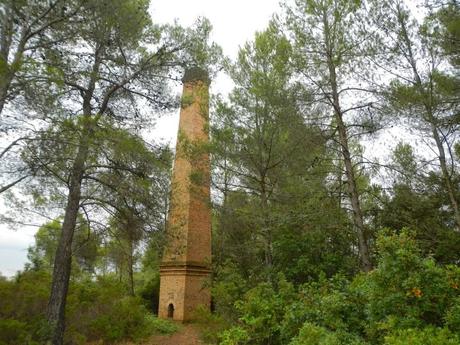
x,y
185,268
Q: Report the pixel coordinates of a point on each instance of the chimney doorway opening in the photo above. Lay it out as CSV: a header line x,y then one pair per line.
x,y
170,311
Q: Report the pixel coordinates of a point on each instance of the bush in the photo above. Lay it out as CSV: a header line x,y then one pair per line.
x,y
315,335
311,334
23,302
405,299
328,303
97,310
234,336
100,310
124,320
149,290
425,336
210,325
154,325
229,287
406,290
453,317
263,309
13,332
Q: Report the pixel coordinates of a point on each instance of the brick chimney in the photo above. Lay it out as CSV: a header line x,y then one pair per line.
x,y
185,268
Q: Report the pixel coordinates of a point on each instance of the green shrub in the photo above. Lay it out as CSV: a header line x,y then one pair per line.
x,y
425,336
211,325
96,310
229,287
314,335
149,290
126,319
23,302
405,290
234,336
453,317
13,332
154,325
405,298
311,334
263,309
328,303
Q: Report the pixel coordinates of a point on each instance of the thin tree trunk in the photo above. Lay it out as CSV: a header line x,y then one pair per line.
x,y
446,175
63,258
4,87
130,267
354,197
266,229
431,119
223,216
6,33
353,194
5,44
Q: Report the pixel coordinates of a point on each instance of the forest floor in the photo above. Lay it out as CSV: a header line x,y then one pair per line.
x,y
187,335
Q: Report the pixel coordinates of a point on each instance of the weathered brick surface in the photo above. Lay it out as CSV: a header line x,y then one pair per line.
x,y
184,273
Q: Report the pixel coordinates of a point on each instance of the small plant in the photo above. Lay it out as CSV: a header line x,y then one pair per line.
x,y
13,332
211,325
186,100
155,325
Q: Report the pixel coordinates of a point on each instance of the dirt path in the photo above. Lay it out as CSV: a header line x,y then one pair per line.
x,y
187,335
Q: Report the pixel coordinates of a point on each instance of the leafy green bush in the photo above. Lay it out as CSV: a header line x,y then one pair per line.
x,y
229,287
124,320
154,325
263,309
23,302
13,332
425,336
101,310
328,303
314,335
97,310
406,290
406,297
453,317
211,325
234,336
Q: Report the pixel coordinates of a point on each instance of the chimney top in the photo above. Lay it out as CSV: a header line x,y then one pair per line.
x,y
196,74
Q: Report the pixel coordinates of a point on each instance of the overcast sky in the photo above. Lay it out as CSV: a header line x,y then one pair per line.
x,y
234,23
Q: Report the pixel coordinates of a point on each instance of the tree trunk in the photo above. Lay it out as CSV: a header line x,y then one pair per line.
x,y
353,194
266,228
4,87
427,96
63,258
130,266
446,175
5,44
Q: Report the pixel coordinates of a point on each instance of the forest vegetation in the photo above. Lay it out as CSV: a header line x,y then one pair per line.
x,y
316,240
